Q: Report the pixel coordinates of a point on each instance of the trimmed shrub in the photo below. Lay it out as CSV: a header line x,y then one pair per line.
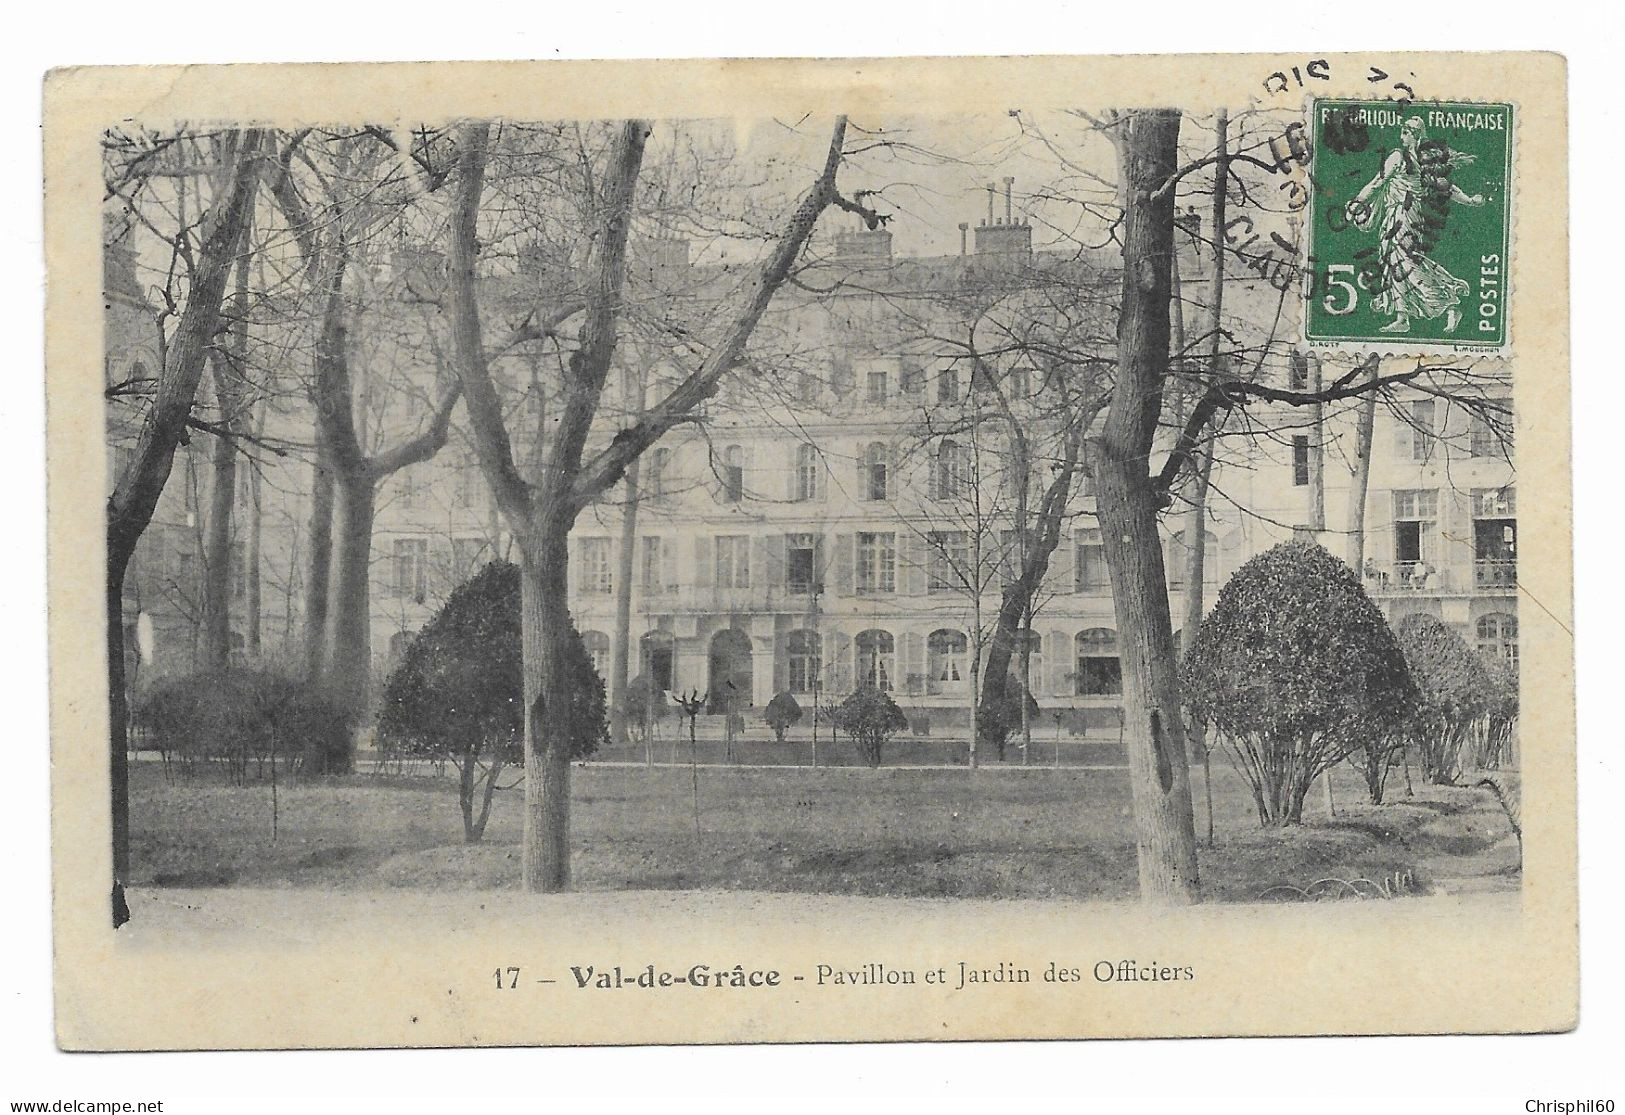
x,y
1457,692
241,719
869,718
783,712
458,693
1296,668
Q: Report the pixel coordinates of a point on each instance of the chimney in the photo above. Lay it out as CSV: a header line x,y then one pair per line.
x,y
1009,237
964,227
864,245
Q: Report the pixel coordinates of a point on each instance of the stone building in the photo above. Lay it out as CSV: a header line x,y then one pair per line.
x,y
846,509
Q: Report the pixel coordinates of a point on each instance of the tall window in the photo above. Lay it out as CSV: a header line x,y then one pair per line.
x,y
800,562
911,378
733,474
1012,552
877,562
840,375
597,644
412,569
1021,380
876,651
189,483
804,659
1177,558
945,661
597,578
953,468
1491,434
656,473
808,470
876,470
1498,638
1495,537
948,558
655,572
1423,433
733,561
466,481
948,385
877,385
1089,569
1300,460
411,493
1300,372
807,388
1415,518
1100,671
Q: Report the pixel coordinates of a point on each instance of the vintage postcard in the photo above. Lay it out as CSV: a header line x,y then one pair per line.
x,y
810,550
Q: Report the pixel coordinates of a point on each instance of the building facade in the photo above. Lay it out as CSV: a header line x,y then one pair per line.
x,y
848,509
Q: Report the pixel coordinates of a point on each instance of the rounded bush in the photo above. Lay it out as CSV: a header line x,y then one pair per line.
x,y
458,693
1295,667
1456,689
869,718
783,712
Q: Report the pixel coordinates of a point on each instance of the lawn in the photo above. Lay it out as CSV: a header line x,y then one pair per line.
x,y
1032,833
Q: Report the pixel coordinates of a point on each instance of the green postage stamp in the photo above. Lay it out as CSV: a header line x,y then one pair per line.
x,y
1410,225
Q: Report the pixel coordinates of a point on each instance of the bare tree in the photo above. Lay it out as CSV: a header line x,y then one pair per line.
x,y
348,475
135,493
541,513
1128,502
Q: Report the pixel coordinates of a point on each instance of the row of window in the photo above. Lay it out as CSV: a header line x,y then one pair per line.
x,y
946,558
881,383
952,468
1097,666
1489,435
874,662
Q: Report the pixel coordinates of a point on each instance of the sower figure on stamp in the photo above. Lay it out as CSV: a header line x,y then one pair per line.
x,y
1408,202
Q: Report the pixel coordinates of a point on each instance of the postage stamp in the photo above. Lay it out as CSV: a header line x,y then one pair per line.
x,y
1409,231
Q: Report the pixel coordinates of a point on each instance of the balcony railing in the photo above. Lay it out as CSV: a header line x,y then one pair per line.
x,y
722,598
1402,578
1496,575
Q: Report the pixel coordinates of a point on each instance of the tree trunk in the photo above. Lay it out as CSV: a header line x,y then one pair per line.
x,y
1196,519
216,634
1317,452
119,755
229,392
1154,734
251,558
621,646
1361,483
135,492
347,638
320,559
544,573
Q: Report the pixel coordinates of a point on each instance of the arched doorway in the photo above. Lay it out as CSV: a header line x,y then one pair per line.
x,y
657,656
731,680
